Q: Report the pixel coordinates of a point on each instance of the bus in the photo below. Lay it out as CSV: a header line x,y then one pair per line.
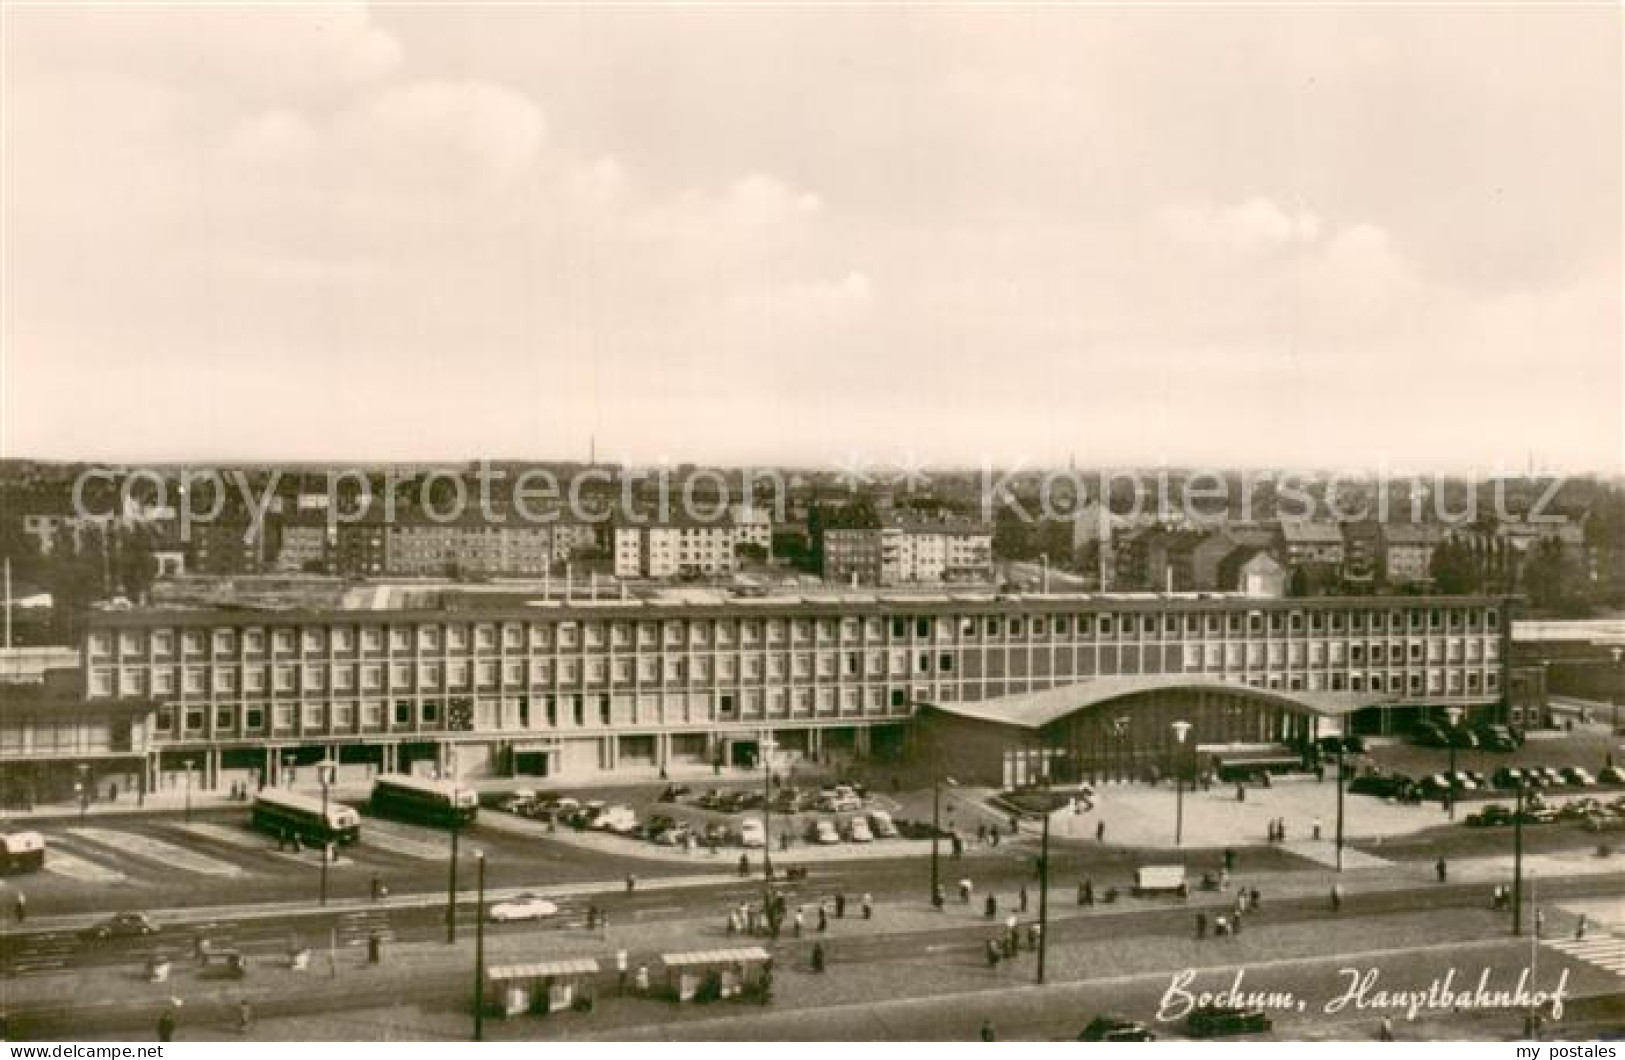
x,y
437,802
21,852
285,814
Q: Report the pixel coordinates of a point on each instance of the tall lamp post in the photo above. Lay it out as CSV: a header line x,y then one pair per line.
x,y
1043,891
1181,730
191,763
1342,749
1619,679
479,946
325,773
1454,714
768,747
451,885
936,834
1517,857
82,789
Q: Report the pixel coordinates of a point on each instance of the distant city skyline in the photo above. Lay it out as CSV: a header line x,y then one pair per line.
x,y
1221,237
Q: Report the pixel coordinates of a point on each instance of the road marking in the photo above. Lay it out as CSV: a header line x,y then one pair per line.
x,y
158,850
397,841
74,867
1605,953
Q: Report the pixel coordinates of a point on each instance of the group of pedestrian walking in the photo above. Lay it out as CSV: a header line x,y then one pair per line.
x,y
1277,830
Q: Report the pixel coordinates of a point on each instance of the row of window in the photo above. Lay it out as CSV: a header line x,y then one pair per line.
x,y
517,636
292,679
526,713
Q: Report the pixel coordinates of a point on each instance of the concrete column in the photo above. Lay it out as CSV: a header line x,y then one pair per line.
x,y
663,750
861,739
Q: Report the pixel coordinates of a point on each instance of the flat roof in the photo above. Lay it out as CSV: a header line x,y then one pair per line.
x,y
1034,710
821,604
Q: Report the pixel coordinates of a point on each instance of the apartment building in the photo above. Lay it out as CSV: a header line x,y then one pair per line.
x,y
690,547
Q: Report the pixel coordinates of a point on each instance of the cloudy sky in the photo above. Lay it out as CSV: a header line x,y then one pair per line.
x,y
1228,235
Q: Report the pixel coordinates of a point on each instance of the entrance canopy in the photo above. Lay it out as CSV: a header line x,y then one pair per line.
x,y
1034,710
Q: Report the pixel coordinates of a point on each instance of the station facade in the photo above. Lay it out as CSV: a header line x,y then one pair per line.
x,y
583,690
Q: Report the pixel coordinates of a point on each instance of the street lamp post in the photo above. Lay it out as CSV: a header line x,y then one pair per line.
x,y
1454,714
1043,893
451,885
1181,730
324,773
82,789
1342,748
1517,859
1619,679
190,765
479,946
768,747
936,833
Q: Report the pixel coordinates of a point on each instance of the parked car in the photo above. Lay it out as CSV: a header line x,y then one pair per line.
x,y
674,836
518,802
881,824
121,926
522,907
674,792
1507,778
1612,775
1550,777
857,830
715,833
619,819
1382,785
1428,734
1578,777
1115,1029
1496,738
1489,816
823,831
1208,1021
1462,738
752,833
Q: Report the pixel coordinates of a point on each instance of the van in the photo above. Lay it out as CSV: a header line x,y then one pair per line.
x,y
752,833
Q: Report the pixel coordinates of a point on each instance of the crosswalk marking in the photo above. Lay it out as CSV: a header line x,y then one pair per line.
x,y
157,850
1604,951
61,863
1324,851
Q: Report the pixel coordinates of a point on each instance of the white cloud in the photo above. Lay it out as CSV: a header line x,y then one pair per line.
x,y
1256,224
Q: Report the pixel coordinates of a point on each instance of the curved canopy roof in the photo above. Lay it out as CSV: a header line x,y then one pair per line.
x,y
1034,710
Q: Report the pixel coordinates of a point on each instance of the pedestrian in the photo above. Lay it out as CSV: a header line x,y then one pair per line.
x,y
992,953
1540,922
1035,933
1241,792
1235,923
375,947
1386,1033
1580,928
840,905
19,905
937,897
1083,897
981,834
1241,902
744,865
823,918
733,922
1441,870
1100,831
641,980
166,1025
993,837
868,907
1317,829
592,917
1255,899
1221,927
1337,897
632,881
1010,934
245,1016
621,971
800,922
987,1033
1088,893
377,887
818,957
965,889
990,908
1201,925
1022,897
603,925
1229,859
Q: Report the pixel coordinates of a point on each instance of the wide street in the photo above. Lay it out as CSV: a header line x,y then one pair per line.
x,y
912,971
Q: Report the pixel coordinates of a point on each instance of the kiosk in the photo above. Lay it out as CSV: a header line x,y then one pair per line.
x,y
543,987
717,975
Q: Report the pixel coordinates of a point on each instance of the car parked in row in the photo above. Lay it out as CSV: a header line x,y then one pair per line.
x,y
1109,1028
1210,1021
